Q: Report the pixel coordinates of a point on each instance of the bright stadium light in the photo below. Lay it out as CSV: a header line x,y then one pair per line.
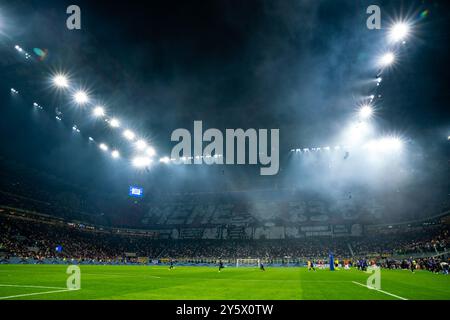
x,y
99,111
129,134
150,151
141,162
399,32
379,80
387,59
358,132
385,144
91,139
391,143
141,144
164,160
115,154
103,146
60,81
366,111
114,123
81,97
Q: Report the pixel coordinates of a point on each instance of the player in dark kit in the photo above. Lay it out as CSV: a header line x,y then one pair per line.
x,y
221,265
311,265
261,267
171,264
412,265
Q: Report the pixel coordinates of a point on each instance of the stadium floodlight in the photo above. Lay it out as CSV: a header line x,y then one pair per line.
x,y
141,144
60,81
150,151
103,146
91,139
18,48
391,143
164,160
114,123
115,154
379,80
99,111
366,111
387,59
399,32
58,118
14,91
81,97
129,134
385,144
141,162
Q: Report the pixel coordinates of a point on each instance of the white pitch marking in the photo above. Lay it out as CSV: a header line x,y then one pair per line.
x,y
27,286
36,293
121,275
379,290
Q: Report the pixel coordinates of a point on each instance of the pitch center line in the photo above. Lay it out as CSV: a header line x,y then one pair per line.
x,y
379,290
37,293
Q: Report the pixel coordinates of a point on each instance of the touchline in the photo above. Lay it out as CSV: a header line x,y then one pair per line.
x,y
239,146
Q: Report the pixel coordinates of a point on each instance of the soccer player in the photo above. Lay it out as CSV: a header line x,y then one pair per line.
x,y
171,264
261,267
412,265
220,265
311,265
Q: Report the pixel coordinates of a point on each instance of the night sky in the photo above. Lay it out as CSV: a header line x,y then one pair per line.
x,y
300,66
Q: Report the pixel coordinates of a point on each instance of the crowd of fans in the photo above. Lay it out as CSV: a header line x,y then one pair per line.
x,y
32,239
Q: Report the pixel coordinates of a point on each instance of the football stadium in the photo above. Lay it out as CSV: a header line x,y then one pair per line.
x,y
221,150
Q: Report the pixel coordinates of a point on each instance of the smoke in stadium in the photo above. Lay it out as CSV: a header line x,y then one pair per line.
x,y
168,144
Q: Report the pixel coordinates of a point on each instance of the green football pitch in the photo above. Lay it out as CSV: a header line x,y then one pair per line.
x,y
48,282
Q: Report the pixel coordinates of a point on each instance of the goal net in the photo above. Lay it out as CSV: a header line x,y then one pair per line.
x,y
247,263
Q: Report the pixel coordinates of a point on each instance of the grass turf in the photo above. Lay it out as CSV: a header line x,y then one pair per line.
x,y
186,283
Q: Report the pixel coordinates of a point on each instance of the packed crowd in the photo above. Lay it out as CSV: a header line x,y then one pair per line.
x,y
25,238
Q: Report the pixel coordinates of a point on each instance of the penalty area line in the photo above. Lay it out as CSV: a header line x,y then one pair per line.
x,y
379,290
36,293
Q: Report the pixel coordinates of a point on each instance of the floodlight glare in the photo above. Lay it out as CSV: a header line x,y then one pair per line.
x,y
114,123
164,160
81,97
366,111
150,151
385,144
60,81
99,111
103,146
391,143
128,134
141,144
398,32
141,162
115,154
387,59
